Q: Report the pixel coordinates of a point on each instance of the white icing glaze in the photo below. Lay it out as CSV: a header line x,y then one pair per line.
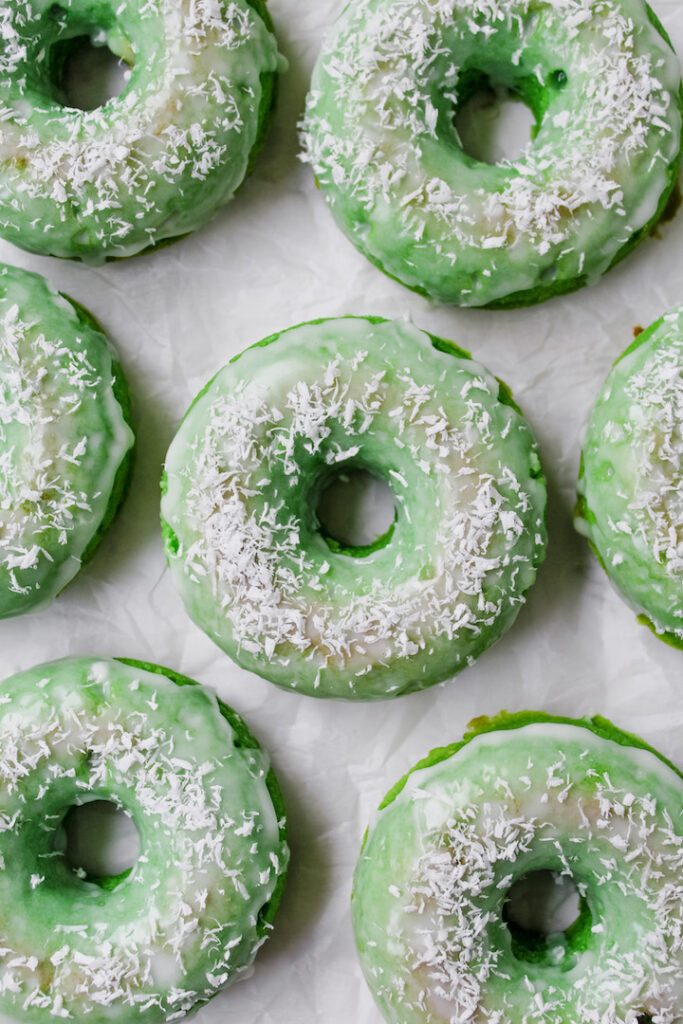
x,y
563,735
656,394
631,485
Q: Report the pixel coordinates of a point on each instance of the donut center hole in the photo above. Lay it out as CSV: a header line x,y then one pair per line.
x,y
494,124
102,841
92,74
544,902
84,71
356,509
548,919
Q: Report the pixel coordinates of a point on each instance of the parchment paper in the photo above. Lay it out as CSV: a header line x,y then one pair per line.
x,y
271,259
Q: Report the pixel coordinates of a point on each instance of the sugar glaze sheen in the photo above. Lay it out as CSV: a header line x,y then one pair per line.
x,y
66,441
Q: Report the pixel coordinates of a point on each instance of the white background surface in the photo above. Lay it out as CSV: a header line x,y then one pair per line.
x,y
271,259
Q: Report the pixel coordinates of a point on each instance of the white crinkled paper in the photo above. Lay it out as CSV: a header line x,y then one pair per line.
x,y
272,259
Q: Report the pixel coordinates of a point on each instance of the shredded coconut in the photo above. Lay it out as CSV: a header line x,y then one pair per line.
x,y
656,393
42,384
111,178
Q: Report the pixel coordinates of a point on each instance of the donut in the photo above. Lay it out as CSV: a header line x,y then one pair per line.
x,y
150,165
630,504
65,439
523,794
604,86
187,919
261,576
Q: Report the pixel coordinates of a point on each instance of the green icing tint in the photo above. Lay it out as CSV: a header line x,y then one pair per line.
x,y
152,164
521,794
604,86
65,440
187,919
240,493
631,480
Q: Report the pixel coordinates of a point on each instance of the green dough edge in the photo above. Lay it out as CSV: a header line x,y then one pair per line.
x,y
602,727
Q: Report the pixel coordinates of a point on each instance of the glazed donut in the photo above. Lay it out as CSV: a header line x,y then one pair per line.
x,y
186,920
258,447
65,440
631,479
522,794
604,85
156,162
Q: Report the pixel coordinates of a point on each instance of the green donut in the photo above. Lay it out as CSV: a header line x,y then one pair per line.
x,y
156,162
245,472
521,794
66,443
631,479
604,85
187,919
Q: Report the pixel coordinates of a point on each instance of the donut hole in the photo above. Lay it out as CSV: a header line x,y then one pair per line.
x,y
101,842
493,123
356,511
547,918
544,902
91,74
